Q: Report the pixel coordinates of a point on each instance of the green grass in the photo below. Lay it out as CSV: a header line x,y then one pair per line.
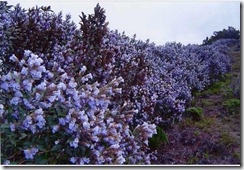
x,y
196,113
204,123
232,106
226,138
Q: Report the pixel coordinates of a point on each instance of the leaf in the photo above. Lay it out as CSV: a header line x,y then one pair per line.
x,y
5,125
12,140
42,159
56,147
41,147
23,135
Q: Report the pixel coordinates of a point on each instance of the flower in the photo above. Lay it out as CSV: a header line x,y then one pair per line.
x,y
84,160
15,100
55,128
74,143
12,127
41,121
27,84
73,159
30,153
6,162
1,110
72,125
42,86
61,121
61,85
28,104
72,83
5,86
120,160
39,111
13,58
51,98
83,69
18,94
36,74
86,125
27,122
24,71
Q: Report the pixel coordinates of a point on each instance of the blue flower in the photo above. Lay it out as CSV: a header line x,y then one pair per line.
x,y
30,153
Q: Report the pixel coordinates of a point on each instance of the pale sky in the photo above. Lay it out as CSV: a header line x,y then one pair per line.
x,y
158,20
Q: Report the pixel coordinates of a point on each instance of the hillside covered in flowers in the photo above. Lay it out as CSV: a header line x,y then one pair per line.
x,y
90,95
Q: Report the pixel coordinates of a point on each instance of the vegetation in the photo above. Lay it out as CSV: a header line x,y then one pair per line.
x,y
91,95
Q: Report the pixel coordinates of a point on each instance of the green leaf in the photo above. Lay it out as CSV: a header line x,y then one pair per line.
x,y
12,140
56,147
5,125
42,159
23,135
41,147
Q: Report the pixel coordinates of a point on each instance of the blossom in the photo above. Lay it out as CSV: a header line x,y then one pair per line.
x,y
27,122
27,84
5,86
120,160
61,85
42,86
61,121
84,161
55,128
73,159
39,111
18,94
45,104
24,71
6,162
30,153
41,121
83,69
28,104
1,110
72,83
12,127
13,58
86,125
74,143
36,74
15,100
51,98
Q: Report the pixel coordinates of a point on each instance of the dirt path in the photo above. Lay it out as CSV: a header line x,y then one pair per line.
x,y
216,137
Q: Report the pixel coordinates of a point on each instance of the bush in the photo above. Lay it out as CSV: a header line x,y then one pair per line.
x,y
195,112
232,106
158,139
92,94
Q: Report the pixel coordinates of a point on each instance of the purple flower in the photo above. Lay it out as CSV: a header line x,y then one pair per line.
x,y
41,121
74,143
30,153
27,122
15,100
55,128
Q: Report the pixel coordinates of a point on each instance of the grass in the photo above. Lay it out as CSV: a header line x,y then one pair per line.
x,y
196,113
226,138
206,122
193,160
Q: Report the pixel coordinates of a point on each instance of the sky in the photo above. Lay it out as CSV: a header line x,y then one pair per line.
x,y
160,21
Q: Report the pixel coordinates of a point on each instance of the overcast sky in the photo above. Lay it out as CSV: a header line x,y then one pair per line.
x,y
158,20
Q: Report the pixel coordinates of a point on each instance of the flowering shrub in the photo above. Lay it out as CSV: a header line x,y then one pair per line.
x,y
91,95
44,111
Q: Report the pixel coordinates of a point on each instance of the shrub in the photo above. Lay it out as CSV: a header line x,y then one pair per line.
x,y
195,112
92,94
232,106
158,139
